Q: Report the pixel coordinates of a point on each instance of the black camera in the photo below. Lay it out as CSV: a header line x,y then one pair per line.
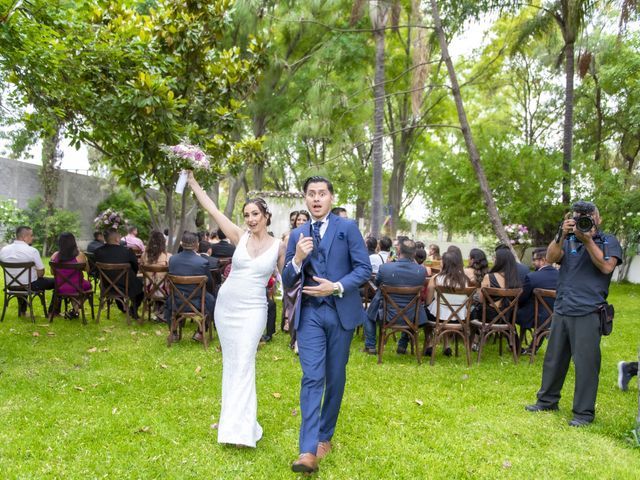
x,y
584,223
584,220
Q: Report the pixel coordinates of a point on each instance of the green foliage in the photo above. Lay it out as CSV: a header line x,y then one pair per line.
x,y
47,227
11,217
83,402
124,202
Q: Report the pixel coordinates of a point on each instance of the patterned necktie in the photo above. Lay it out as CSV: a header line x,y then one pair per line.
x,y
316,232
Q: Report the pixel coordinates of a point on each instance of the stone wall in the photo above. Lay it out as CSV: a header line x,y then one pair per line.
x,y
78,193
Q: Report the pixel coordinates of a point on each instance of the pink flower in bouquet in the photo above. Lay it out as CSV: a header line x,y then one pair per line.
x,y
193,154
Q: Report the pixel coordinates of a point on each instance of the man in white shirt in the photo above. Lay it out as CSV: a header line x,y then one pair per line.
x,y
21,251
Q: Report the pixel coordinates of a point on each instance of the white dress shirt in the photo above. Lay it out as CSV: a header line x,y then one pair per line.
x,y
323,230
21,252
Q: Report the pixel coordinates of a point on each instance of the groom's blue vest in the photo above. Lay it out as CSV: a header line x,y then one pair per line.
x,y
316,265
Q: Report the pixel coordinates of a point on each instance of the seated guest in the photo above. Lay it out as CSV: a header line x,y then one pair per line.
x,y
204,250
223,248
522,269
545,276
155,253
186,264
96,243
340,211
478,267
420,245
384,248
21,251
434,253
421,255
405,272
452,276
68,253
503,274
132,240
113,252
375,258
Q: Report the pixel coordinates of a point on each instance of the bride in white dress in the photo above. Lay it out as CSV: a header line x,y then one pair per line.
x,y
241,314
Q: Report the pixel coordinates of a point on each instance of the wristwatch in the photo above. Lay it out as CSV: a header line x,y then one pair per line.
x,y
336,290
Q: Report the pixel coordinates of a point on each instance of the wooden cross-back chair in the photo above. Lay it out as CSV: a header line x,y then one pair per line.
x,y
14,288
216,277
402,320
111,274
542,297
504,302
73,278
183,306
137,251
457,323
155,287
94,277
368,291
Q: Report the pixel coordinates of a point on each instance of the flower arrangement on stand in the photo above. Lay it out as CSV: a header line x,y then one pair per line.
x,y
110,219
518,237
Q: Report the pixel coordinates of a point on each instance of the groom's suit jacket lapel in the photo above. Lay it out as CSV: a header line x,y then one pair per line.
x,y
329,234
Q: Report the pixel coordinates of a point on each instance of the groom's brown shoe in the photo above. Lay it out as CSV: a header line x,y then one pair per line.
x,y
323,449
306,463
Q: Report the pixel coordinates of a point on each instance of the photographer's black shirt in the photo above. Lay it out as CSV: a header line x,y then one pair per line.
x,y
581,285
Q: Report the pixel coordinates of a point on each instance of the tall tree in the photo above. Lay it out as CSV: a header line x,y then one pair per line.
x,y
472,150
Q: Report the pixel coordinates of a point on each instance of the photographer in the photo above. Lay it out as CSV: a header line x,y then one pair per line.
x,y
587,258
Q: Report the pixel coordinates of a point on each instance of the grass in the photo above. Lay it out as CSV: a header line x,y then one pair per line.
x,y
112,401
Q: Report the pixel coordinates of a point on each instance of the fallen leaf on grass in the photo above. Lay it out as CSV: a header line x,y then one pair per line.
x,y
218,349
276,358
35,334
159,333
114,411
44,325
144,429
162,365
101,339
80,389
465,377
51,334
294,412
198,369
276,395
506,464
144,334
214,426
419,402
104,350
93,350
134,333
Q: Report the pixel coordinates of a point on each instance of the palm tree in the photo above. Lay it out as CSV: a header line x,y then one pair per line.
x,y
379,13
569,16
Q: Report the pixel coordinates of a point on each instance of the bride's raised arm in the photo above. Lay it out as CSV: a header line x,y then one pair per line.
x,y
230,229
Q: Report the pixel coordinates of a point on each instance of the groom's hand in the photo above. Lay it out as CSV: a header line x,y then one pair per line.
x,y
323,289
303,249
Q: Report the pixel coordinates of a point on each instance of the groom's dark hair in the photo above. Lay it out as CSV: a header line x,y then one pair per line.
x,y
317,179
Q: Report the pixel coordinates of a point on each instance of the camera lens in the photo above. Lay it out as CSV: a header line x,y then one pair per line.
x,y
584,224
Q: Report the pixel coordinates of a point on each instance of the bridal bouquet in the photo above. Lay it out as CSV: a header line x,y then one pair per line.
x,y
188,156
109,219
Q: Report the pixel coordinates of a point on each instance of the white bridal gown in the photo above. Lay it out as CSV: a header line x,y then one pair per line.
x,y
241,316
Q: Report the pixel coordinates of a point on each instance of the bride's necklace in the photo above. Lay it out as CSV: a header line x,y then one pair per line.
x,y
257,248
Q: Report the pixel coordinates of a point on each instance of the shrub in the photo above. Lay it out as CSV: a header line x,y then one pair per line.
x,y
10,218
46,227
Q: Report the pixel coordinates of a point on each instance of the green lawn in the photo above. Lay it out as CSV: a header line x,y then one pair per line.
x,y
111,400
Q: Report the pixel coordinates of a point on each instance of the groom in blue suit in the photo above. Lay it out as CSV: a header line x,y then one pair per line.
x,y
329,258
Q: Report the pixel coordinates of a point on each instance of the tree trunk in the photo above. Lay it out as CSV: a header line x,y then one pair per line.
x,y
378,137
50,170
474,156
235,184
599,120
567,139
171,223
183,214
214,193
